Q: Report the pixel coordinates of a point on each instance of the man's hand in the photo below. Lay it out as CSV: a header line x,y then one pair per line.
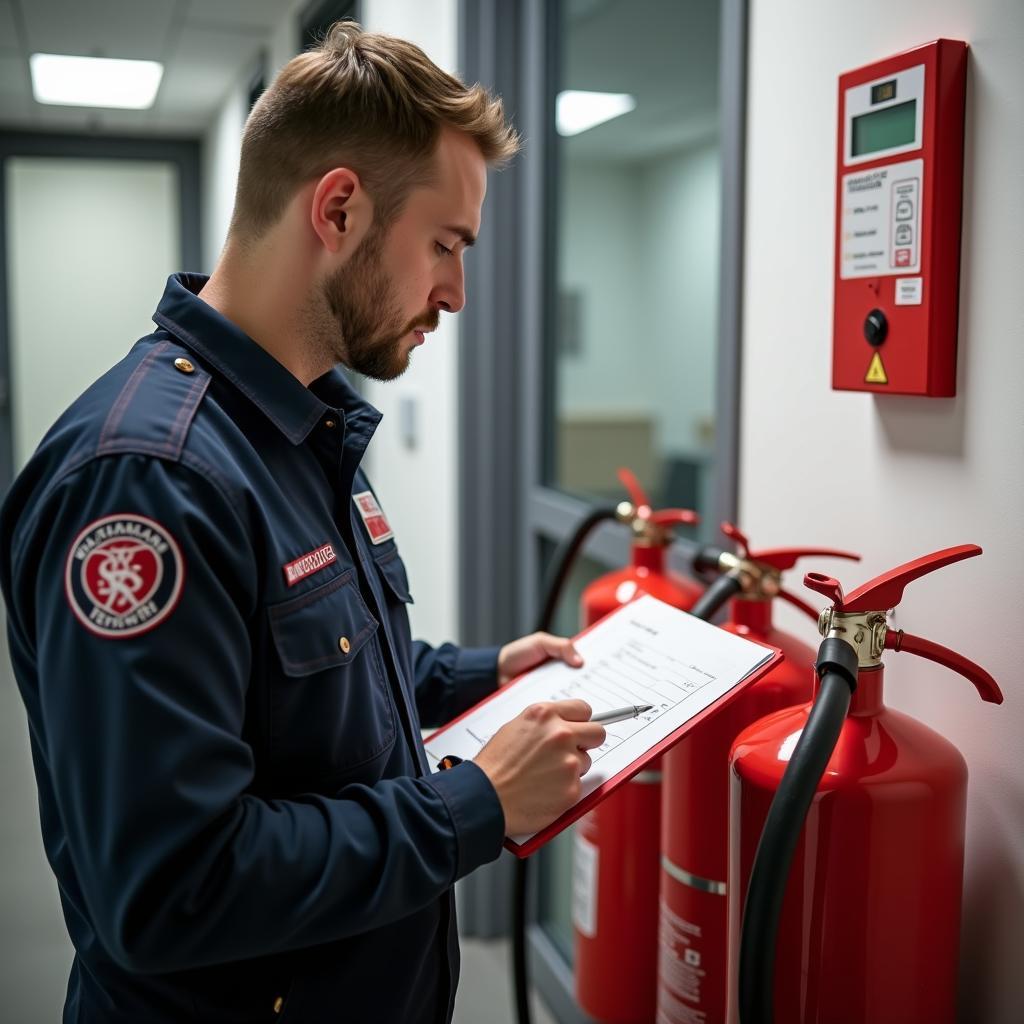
x,y
535,762
530,651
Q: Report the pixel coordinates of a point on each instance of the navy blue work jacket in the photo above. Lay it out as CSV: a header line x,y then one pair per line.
x,y
207,621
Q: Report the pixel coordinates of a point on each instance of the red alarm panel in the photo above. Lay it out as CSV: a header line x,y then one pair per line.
x,y
899,186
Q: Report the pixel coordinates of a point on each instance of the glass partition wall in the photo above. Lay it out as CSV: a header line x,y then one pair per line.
x,y
634,330
602,324
633,336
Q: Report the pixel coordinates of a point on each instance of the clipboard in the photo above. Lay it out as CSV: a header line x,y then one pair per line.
x,y
529,845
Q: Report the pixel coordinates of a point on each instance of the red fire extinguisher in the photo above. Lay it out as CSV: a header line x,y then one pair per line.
x,y
847,834
615,855
692,940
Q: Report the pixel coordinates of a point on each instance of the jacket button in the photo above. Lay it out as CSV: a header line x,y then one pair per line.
x,y
278,1004
330,424
184,365
344,644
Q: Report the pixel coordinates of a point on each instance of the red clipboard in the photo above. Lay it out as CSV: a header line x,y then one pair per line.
x,y
610,785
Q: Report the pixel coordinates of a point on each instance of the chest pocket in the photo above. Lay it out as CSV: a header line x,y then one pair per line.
x,y
331,715
392,568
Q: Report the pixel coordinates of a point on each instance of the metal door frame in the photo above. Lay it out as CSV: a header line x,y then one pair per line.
x,y
183,154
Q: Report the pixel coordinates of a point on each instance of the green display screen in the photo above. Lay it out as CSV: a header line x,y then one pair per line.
x,y
884,129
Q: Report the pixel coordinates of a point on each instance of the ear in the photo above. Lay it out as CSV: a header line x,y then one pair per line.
x,y
341,211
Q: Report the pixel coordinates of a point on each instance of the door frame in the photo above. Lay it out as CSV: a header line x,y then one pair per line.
x,y
182,154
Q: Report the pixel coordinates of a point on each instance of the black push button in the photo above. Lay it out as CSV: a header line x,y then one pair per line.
x,y
876,327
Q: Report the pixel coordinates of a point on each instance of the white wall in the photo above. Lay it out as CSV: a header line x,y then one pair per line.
x,y
418,486
222,145
222,142
899,477
102,235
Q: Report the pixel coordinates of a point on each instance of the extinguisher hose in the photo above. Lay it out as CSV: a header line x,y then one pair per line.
x,y
707,558
837,669
562,562
561,565
720,591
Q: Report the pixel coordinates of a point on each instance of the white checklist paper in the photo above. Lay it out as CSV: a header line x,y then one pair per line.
x,y
646,652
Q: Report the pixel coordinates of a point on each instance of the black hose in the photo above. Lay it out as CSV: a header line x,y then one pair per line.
x,y
707,558
561,565
562,562
837,667
720,591
519,969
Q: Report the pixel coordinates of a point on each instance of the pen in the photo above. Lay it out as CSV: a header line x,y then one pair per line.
x,y
621,714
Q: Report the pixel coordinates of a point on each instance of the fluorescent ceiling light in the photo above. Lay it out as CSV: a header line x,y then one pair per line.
x,y
95,81
576,111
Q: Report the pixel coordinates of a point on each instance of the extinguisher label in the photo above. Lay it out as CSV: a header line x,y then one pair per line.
x,y
584,886
681,970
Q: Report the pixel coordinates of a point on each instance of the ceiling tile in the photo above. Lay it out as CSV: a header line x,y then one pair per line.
x,y
15,92
254,14
108,28
8,29
204,67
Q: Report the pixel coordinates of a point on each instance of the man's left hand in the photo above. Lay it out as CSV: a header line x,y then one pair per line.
x,y
529,651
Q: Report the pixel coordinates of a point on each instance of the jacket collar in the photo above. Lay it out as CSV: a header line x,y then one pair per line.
x,y
282,397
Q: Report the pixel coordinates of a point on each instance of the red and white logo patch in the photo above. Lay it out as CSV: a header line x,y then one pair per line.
x,y
306,565
373,518
124,575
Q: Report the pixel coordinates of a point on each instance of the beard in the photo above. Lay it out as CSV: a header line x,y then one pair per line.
x,y
368,331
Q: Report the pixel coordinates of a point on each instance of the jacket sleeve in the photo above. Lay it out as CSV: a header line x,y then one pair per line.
x,y
450,679
179,864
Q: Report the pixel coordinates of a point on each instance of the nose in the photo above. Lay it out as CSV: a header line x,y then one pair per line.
x,y
449,292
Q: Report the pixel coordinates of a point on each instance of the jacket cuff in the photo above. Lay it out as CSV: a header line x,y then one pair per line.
x,y
476,675
476,814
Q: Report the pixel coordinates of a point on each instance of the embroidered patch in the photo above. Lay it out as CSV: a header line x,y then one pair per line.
x,y
124,575
306,565
373,518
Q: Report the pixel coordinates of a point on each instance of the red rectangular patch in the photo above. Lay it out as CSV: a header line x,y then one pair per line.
x,y
373,518
306,565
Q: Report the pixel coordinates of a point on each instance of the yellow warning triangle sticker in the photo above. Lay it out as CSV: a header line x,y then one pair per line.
x,y
876,371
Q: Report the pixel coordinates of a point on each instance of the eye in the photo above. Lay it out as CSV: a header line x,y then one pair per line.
x,y
442,250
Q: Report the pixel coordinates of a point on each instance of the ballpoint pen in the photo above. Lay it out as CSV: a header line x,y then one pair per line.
x,y
621,714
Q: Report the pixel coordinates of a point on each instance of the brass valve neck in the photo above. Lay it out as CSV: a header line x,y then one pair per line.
x,y
758,581
865,632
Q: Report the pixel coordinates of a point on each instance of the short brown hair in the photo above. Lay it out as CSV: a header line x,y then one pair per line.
x,y
371,102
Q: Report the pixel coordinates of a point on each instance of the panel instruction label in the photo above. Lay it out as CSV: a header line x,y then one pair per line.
x,y
881,221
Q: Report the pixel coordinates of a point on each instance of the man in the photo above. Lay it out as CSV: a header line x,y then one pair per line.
x,y
207,607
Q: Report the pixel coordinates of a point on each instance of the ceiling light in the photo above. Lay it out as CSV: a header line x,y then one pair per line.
x,y
95,81
577,111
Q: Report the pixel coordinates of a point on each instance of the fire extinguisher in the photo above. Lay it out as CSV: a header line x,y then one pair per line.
x,y
692,938
615,851
847,834
647,573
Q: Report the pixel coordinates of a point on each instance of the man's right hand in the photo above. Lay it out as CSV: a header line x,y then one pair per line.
x,y
535,762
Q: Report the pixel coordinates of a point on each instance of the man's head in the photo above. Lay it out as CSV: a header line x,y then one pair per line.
x,y
377,158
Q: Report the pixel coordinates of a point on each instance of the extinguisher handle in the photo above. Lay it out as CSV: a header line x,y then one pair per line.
x,y
829,586
737,536
800,603
886,591
785,558
987,687
636,493
674,516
